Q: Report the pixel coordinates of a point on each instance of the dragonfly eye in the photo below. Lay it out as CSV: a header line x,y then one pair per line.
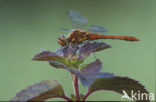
x,y
62,37
62,40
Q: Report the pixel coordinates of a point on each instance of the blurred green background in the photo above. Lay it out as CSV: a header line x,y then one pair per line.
x,y
28,25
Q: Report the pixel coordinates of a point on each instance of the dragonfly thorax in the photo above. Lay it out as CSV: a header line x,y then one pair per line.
x,y
74,38
77,37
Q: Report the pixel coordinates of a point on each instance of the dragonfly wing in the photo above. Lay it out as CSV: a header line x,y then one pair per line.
x,y
60,50
77,19
97,28
67,30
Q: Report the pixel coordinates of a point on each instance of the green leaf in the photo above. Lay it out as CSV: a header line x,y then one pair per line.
x,y
118,84
57,64
40,91
73,63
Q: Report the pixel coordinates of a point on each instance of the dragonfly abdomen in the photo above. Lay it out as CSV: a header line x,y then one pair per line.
x,y
127,38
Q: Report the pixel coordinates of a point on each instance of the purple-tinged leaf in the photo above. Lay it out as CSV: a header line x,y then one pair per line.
x,y
69,52
56,59
43,50
82,51
85,80
60,50
40,91
120,85
104,75
88,48
47,56
89,73
92,68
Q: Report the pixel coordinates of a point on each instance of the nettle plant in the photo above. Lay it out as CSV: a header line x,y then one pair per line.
x,y
70,56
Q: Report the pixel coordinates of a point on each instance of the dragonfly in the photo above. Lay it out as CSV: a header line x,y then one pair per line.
x,y
78,36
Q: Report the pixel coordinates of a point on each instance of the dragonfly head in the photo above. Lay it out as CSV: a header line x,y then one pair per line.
x,y
62,40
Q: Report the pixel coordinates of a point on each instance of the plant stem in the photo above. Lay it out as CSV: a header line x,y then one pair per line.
x,y
76,85
86,95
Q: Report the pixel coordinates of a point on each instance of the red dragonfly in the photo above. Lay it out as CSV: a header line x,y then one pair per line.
x,y
78,36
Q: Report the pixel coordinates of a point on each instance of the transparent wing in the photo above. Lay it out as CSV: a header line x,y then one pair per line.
x,y
97,28
66,29
78,20
60,50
